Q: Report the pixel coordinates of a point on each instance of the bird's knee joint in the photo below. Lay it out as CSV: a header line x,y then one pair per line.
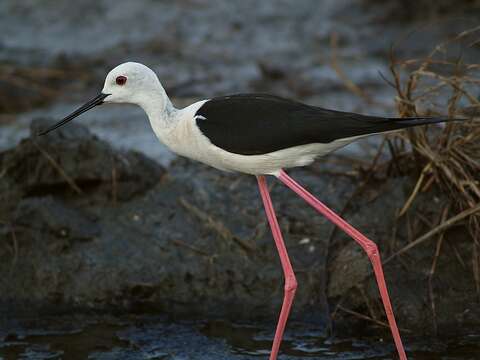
x,y
291,284
371,249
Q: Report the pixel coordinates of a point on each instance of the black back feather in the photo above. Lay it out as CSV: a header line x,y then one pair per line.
x,y
251,124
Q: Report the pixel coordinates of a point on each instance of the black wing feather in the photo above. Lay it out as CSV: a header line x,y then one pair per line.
x,y
252,124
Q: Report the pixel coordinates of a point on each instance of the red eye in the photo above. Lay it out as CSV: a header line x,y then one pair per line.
x,y
121,80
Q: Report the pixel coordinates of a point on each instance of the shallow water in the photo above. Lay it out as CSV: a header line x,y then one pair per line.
x,y
156,338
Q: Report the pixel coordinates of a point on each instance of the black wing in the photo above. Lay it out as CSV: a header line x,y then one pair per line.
x,y
252,124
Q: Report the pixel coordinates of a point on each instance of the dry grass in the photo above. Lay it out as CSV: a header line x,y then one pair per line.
x,y
444,82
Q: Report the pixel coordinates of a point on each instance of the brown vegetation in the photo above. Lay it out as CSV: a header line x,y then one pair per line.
x,y
445,159
444,82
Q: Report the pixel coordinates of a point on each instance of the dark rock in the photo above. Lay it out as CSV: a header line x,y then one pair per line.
x,y
196,242
49,215
72,162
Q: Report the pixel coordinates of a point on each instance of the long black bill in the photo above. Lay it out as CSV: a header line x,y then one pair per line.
x,y
98,100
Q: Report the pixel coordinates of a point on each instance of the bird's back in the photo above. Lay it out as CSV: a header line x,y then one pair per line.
x,y
253,124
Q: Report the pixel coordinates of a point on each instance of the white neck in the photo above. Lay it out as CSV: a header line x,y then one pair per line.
x,y
159,108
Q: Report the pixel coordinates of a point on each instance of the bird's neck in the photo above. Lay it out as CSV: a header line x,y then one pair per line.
x,y
159,109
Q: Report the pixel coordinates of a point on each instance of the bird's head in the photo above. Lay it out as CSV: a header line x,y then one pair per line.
x,y
130,82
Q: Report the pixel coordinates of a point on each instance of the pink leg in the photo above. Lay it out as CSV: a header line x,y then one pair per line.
x,y
290,281
369,246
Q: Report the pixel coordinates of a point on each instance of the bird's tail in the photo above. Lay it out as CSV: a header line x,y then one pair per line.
x,y
379,125
416,121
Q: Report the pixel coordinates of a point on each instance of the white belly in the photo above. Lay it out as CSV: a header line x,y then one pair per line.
x,y
187,140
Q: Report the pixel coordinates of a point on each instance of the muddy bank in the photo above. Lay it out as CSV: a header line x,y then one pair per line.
x,y
86,227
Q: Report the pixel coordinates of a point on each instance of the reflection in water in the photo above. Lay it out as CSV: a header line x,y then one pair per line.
x,y
72,345
299,342
148,337
303,343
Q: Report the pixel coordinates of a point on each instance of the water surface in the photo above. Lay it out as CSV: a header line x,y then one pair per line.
x,y
148,337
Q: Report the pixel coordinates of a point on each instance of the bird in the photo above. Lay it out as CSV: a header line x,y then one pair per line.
x,y
259,135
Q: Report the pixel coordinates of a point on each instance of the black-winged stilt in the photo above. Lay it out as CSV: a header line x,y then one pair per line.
x,y
260,135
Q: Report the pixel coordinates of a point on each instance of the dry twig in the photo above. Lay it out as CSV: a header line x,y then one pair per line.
x,y
215,225
368,318
440,228
60,170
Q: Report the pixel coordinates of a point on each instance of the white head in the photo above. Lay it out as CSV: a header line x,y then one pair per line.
x,y
132,83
